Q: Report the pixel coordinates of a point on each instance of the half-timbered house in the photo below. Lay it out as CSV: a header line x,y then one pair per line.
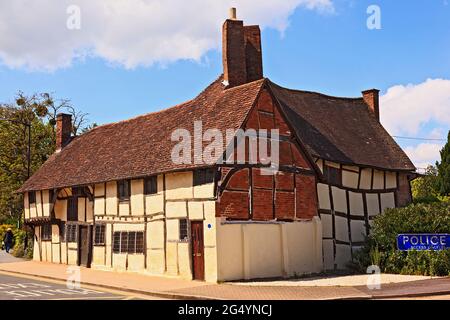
x,y
114,199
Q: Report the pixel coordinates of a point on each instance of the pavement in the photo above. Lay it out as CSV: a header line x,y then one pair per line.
x,y
173,288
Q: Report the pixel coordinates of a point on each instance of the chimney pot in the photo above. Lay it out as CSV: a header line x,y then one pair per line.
x,y
63,130
371,98
233,13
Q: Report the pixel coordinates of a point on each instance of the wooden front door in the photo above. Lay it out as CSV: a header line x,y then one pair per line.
x,y
198,257
84,246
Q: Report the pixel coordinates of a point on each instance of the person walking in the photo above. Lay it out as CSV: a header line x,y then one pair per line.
x,y
8,239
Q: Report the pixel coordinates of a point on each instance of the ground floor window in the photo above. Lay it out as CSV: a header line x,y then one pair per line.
x,y
128,242
71,233
46,232
184,235
99,234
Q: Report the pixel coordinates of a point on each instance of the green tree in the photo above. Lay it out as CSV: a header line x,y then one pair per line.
x,y
424,188
39,111
443,181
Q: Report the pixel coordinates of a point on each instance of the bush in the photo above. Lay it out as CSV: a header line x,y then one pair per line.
x,y
381,245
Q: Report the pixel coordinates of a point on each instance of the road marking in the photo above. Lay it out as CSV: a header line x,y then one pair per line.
x,y
119,294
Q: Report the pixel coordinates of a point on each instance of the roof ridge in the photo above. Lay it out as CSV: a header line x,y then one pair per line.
x,y
317,93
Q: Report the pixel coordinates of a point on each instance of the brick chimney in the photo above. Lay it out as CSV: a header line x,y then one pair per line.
x,y
371,98
241,51
63,130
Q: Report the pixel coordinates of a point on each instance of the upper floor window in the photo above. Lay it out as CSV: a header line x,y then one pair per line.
x,y
203,176
123,190
332,175
151,185
77,191
46,232
72,209
32,197
62,231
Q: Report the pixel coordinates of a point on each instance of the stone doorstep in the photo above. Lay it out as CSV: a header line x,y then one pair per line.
x,y
188,296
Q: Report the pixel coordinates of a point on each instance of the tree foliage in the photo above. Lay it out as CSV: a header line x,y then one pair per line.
x,y
425,188
39,111
380,247
443,181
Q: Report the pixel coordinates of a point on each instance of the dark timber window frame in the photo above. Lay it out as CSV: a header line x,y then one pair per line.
x,y
130,242
32,197
151,185
333,175
62,231
183,229
46,232
99,234
123,190
72,209
203,176
71,233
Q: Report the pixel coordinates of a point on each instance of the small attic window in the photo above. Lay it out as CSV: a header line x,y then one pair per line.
x,y
32,197
151,185
123,190
332,175
203,176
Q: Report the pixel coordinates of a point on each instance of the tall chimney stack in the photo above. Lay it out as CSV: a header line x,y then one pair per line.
x,y
241,51
371,98
63,130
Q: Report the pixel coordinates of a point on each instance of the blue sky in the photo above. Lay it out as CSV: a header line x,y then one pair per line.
x,y
325,46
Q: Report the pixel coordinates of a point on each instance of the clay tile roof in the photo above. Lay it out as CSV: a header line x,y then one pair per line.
x,y
336,129
142,146
340,129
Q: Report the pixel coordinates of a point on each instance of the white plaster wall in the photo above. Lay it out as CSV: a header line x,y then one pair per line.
x,y
387,201
259,250
378,180
373,207
350,179
356,203
391,180
366,179
339,199
111,198
323,194
179,185
358,230
327,225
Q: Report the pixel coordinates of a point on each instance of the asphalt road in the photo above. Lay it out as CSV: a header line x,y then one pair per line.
x,y
14,287
21,287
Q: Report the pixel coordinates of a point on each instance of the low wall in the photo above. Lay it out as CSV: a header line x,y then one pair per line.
x,y
252,250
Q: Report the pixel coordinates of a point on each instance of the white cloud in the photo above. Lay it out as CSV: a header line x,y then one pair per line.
x,y
33,34
424,154
418,110
406,109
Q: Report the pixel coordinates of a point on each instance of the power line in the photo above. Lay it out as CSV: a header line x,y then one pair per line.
x,y
414,138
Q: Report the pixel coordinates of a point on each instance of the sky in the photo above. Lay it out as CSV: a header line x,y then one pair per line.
x,y
119,59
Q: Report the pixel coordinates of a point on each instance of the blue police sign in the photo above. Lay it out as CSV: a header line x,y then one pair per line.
x,y
423,241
